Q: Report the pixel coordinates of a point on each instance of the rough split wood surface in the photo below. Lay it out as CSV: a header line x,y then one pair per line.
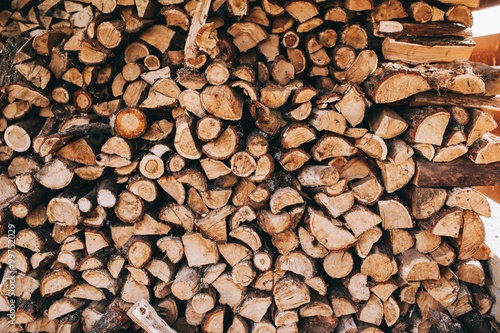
x,y
244,166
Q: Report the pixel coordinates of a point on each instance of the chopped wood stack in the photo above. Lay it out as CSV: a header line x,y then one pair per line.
x,y
242,166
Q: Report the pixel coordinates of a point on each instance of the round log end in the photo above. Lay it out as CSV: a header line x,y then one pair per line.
x,y
130,123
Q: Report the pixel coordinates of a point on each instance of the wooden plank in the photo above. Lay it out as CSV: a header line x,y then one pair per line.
x,y
487,3
487,50
469,3
492,192
413,53
460,172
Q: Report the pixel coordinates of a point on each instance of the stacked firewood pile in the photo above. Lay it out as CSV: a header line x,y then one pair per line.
x,y
242,166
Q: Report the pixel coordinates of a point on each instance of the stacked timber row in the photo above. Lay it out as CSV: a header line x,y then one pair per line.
x,y
242,166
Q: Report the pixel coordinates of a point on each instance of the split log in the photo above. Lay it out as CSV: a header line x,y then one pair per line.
x,y
382,86
417,267
112,320
446,222
144,315
485,150
290,293
395,176
468,198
